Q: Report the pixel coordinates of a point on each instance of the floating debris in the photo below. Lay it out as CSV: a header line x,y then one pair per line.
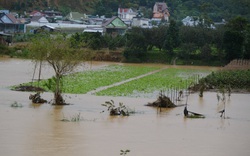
x,y
163,102
28,88
36,98
190,114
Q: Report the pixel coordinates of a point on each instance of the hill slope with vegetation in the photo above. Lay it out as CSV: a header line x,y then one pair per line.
x,y
64,6
215,10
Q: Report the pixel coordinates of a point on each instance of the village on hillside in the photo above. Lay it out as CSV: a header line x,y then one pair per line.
x,y
11,22
49,20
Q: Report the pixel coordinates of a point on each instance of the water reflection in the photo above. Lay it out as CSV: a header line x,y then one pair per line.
x,y
35,105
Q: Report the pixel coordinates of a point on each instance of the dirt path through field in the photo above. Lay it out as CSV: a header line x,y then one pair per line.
x,y
125,81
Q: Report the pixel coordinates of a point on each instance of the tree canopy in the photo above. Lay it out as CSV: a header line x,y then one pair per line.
x,y
59,54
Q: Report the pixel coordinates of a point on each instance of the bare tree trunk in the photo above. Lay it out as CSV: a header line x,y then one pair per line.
x,y
58,99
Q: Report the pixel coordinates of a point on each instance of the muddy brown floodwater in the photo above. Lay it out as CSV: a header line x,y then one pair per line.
x,y
37,130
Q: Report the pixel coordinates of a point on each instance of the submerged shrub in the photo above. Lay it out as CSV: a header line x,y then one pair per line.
x,y
236,79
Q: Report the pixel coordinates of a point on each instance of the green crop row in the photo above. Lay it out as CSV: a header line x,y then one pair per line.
x,y
83,82
163,80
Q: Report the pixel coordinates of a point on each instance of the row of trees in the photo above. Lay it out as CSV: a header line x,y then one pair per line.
x,y
226,42
97,41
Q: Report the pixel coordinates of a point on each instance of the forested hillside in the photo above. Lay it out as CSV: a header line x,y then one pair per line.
x,y
65,6
209,9
216,10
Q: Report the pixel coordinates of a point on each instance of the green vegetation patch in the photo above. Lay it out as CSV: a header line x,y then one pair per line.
x,y
236,79
83,82
163,80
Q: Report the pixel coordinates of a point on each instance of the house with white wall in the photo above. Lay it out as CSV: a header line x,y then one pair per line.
x,y
140,22
190,21
195,21
39,19
126,13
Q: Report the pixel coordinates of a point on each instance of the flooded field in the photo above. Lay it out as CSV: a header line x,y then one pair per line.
x,y
38,130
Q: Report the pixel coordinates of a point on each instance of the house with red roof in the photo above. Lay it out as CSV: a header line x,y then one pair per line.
x,y
36,13
126,13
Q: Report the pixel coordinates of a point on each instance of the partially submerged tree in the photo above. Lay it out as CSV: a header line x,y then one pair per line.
x,y
59,54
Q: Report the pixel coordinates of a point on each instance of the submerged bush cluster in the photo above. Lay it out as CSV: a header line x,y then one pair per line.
x,y
236,79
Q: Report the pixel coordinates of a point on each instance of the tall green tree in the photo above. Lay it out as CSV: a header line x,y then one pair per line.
x,y
60,56
235,38
87,40
233,45
159,36
136,49
172,37
246,52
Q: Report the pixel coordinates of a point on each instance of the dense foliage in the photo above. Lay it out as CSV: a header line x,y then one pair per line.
x,y
235,79
96,41
170,44
190,45
212,10
65,6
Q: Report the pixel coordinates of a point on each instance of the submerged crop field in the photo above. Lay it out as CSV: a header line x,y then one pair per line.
x,y
83,82
162,79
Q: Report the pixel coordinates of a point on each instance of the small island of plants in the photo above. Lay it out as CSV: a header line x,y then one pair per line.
x,y
231,80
